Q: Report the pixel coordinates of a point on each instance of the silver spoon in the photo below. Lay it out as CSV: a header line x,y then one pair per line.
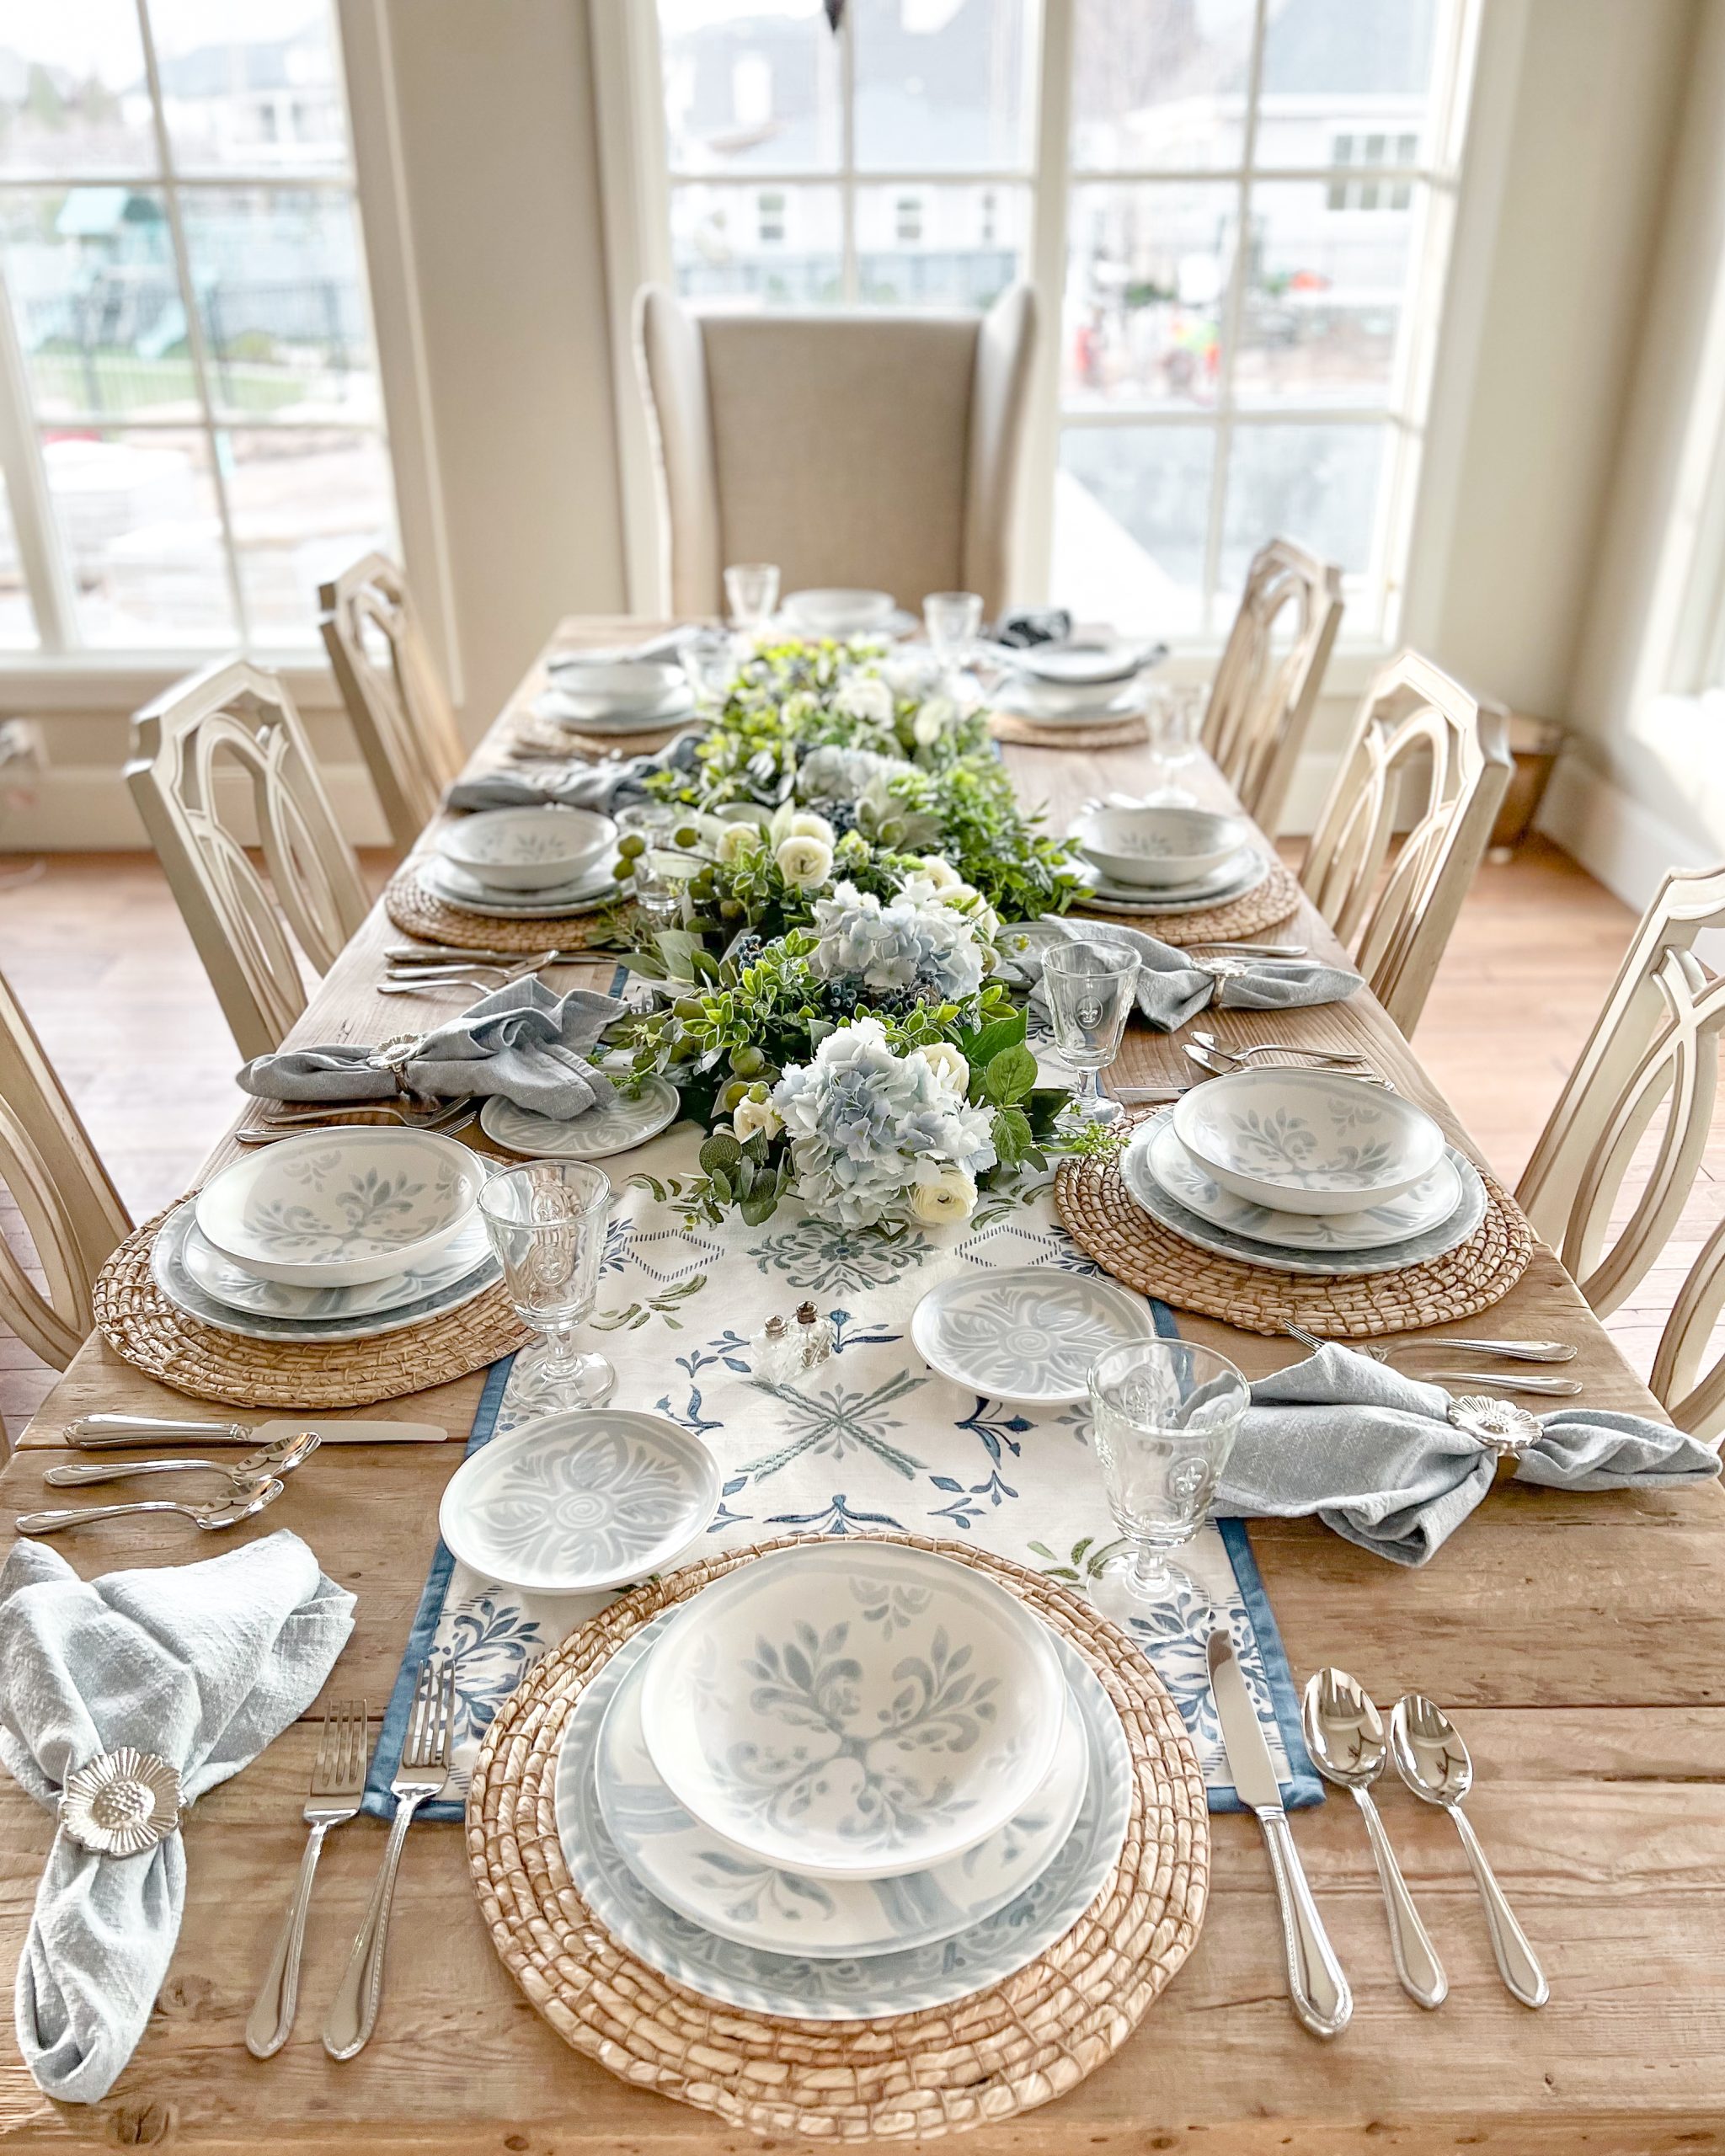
x,y
209,1517
1432,1759
1344,1734
281,1458
1323,1055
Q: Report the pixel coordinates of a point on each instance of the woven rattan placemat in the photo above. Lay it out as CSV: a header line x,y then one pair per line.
x,y
1260,908
527,730
416,912
1032,733
137,1321
985,2059
1103,1219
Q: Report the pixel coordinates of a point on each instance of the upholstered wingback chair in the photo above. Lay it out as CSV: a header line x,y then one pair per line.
x,y
857,449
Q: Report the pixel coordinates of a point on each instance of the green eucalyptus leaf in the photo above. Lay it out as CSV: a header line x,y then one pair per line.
x,y
721,1153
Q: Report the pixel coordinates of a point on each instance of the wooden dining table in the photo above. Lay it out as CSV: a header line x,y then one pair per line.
x,y
1577,1639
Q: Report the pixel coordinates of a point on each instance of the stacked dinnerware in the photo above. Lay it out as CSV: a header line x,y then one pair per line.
x,y
1163,857
531,863
1301,1170
1082,680
609,692
337,1235
843,1781
841,611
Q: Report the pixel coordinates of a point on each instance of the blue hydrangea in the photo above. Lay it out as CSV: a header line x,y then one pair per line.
x,y
914,940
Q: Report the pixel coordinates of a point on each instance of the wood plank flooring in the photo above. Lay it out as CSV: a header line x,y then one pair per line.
x,y
94,948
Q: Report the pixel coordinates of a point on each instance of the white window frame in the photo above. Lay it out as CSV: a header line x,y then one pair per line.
x,y
635,191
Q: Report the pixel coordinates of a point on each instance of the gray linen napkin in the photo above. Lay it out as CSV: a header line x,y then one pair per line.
x,y
203,1664
1172,988
1372,1454
603,783
520,1041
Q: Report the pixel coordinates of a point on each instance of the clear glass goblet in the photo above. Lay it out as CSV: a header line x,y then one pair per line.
x,y
1164,1415
1175,716
1088,990
751,593
547,1221
708,658
952,619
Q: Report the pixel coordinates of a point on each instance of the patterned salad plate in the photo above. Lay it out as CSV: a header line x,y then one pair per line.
x,y
857,1987
1027,1334
458,888
716,1884
597,1498
851,1714
613,1126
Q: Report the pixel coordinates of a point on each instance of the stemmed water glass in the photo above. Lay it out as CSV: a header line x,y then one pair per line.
x,y
751,593
547,1221
952,619
1174,715
1164,1415
1088,990
709,660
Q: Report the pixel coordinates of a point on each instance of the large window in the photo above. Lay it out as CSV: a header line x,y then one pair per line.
x,y
190,426
1235,211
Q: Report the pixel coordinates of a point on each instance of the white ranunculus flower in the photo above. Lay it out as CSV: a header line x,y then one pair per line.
x,y
951,1197
738,839
941,874
948,1065
806,825
863,696
933,717
749,1116
805,861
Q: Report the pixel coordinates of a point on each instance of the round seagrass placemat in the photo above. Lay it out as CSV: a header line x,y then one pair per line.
x,y
529,731
983,2059
416,912
1032,733
1103,1221
138,1321
1260,908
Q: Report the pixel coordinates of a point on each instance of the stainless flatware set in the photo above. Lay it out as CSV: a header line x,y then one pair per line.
x,y
1511,1351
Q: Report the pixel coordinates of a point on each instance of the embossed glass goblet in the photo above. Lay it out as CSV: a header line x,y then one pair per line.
x,y
547,1221
751,593
1164,1415
1088,990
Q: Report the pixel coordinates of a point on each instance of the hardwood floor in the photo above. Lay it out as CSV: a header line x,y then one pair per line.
x,y
94,947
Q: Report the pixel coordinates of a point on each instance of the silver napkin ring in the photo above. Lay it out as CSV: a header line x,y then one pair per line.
x,y
121,1803
1497,1425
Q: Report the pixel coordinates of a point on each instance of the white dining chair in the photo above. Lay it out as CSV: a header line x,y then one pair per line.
x,y
238,718
1429,760
868,449
1266,689
395,702
1653,1052
55,1181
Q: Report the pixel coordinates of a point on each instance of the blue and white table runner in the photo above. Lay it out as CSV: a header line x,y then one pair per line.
x,y
870,1442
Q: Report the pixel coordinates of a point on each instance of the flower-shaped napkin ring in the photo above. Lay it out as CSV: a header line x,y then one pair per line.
x,y
1497,1425
121,1803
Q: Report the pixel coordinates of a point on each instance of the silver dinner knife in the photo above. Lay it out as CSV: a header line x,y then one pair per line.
x,y
106,1433
1319,1991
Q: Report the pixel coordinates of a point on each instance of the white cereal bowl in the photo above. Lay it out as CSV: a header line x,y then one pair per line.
x,y
622,684
527,849
1308,1141
1080,662
1160,847
333,1209
850,1710
835,611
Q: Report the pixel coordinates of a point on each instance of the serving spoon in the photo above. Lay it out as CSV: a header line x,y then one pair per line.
x,y
280,1458
243,1506
1344,1734
1432,1759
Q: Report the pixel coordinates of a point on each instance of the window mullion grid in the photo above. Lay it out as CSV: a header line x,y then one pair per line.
x,y
848,282
193,320
1233,309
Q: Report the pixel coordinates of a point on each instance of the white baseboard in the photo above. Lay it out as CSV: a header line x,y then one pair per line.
x,y
1628,846
86,809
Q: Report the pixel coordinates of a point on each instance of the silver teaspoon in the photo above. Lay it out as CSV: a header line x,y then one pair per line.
x,y
1344,1734
280,1458
1432,1759
209,1517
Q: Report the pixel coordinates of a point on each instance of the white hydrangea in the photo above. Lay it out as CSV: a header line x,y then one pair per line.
x,y
912,942
871,1131
861,695
835,774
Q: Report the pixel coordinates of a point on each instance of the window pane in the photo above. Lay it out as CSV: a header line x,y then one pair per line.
x,y
1147,270
142,535
277,275
1316,484
943,85
1323,297
261,97
17,621
957,246
1160,85
72,95
1361,73
758,246
305,502
750,85
90,271
1131,511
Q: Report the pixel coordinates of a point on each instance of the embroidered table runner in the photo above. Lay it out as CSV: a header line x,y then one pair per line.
x,y
868,1441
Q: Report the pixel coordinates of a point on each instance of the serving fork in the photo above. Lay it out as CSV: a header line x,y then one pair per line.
x,y
338,1784
422,1776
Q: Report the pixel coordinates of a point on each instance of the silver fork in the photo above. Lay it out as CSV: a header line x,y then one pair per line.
x,y
1346,1057
422,1775
338,1784
1512,1351
1499,1380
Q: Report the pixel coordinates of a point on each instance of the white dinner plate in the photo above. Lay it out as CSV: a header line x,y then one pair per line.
x,y
598,1497
234,1285
457,889
596,714
1233,880
1046,705
614,1126
1030,1333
